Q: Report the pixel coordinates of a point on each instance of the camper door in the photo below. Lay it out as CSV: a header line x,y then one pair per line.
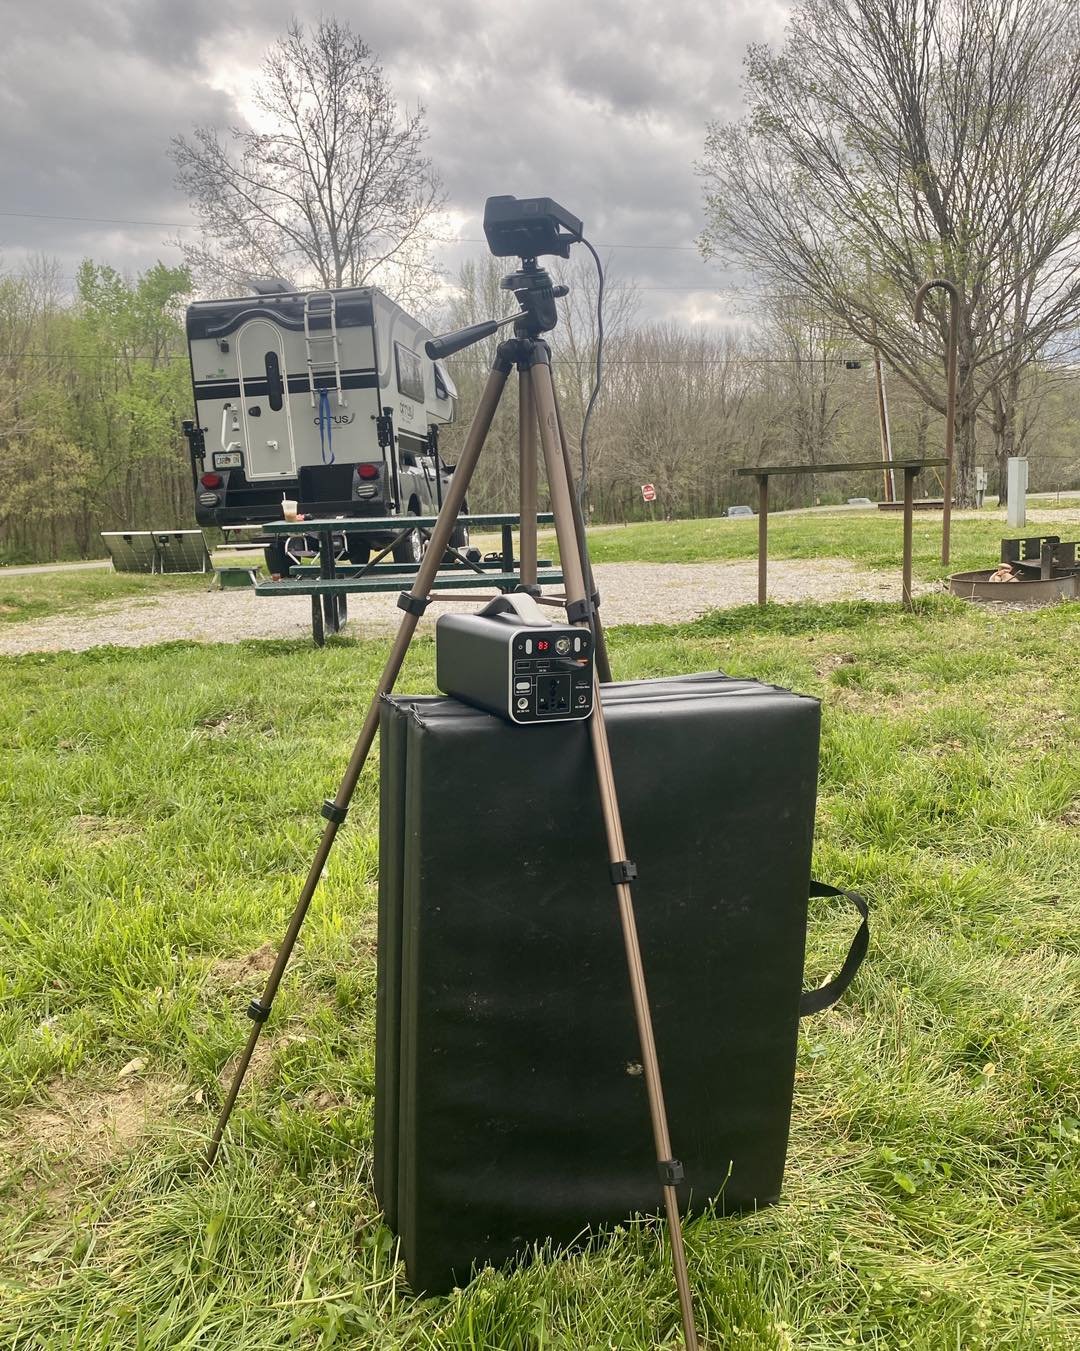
x,y
264,402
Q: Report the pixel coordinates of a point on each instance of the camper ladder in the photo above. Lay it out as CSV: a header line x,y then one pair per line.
x,y
323,353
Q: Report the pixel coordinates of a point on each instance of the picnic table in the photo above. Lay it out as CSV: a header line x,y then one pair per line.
x,y
329,582
761,473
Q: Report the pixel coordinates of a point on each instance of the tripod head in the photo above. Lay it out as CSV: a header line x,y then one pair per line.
x,y
530,228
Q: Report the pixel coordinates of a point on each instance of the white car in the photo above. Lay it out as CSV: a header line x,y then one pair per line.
x,y
739,511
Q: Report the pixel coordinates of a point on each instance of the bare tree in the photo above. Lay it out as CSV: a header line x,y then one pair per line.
x,y
575,344
891,142
812,353
330,188
478,295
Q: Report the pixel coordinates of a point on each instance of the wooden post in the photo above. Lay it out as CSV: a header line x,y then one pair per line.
x,y
763,540
883,427
909,511
951,353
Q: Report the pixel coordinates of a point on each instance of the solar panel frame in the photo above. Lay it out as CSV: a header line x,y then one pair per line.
x,y
181,551
158,551
131,550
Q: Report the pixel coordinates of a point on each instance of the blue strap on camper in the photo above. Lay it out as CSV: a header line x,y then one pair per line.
x,y
326,428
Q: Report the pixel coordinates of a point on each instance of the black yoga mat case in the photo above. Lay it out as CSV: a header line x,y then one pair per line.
x,y
510,1106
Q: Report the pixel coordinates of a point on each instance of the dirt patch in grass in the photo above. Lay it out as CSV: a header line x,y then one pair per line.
x,y
827,664
91,1124
229,971
258,1068
100,829
323,1099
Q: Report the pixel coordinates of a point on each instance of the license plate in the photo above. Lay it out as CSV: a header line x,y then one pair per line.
x,y
227,459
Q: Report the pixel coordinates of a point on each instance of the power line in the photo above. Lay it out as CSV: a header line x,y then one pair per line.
x,y
101,220
192,225
686,363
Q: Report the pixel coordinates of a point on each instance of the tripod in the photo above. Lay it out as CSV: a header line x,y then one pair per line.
x,y
538,412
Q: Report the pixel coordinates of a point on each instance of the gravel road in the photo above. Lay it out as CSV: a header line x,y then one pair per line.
x,y
633,593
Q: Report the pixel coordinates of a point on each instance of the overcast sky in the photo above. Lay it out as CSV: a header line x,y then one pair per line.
x,y
601,104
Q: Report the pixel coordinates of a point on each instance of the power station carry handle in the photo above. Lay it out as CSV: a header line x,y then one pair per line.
x,y
813,1001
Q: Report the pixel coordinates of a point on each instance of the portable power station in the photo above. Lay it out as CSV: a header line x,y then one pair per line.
x,y
509,659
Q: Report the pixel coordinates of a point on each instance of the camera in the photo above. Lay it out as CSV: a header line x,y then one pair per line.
x,y
528,227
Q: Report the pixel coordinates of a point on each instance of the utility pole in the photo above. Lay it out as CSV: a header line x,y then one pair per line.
x,y
883,425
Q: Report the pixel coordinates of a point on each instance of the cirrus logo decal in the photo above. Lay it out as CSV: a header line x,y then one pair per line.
x,y
338,419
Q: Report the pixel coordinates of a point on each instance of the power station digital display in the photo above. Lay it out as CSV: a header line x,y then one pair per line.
x,y
542,645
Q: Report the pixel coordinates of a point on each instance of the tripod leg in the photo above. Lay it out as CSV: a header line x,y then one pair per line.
x,y
335,811
603,665
574,572
527,484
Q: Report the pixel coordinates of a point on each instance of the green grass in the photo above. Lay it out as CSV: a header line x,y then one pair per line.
x,y
28,596
158,810
872,539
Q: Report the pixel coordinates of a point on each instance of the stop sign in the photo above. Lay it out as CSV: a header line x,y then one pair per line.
x,y
648,492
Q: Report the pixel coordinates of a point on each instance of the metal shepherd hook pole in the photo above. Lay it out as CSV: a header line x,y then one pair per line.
x,y
950,407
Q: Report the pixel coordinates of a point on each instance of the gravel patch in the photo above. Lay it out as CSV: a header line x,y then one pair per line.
x,y
633,593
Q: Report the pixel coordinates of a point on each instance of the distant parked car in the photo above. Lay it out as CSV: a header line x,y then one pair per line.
x,y
739,511
859,502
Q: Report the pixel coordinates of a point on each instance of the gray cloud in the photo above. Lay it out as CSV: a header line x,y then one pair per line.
x,y
600,105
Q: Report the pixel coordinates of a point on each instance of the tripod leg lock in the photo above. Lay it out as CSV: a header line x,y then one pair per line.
x,y
671,1172
257,1011
333,812
579,612
623,871
415,605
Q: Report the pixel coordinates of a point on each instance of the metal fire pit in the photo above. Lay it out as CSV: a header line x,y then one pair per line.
x,y
978,586
1047,570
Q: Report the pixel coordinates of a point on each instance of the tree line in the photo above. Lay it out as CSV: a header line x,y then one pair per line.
x,y
93,390
683,409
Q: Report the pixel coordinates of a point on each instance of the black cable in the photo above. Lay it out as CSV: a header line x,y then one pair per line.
x,y
583,482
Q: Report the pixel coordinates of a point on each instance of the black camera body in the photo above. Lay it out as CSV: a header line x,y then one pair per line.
x,y
528,227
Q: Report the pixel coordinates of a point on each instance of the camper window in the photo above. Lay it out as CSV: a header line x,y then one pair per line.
x,y
444,386
410,373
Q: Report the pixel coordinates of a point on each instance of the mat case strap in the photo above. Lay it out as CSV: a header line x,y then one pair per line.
x,y
814,1001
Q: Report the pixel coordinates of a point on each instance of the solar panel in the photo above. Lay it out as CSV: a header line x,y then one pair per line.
x,y
131,550
181,551
157,550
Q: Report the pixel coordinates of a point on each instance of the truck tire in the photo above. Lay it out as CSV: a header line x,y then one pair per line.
x,y
411,548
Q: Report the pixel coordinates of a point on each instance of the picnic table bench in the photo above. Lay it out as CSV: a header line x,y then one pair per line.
x,y
329,582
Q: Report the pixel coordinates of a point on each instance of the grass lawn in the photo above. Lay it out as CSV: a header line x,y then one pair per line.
x,y
159,808
28,596
873,539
